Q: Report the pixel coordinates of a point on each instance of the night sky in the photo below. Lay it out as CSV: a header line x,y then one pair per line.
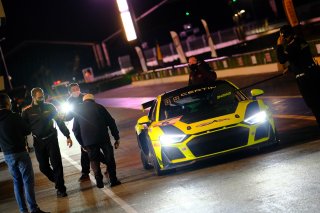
x,y
95,20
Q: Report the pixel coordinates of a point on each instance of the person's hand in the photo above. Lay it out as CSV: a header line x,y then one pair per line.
x,y
280,40
285,70
116,144
69,142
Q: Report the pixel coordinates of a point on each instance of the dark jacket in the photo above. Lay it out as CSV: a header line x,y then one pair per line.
x,y
201,73
40,119
91,123
12,132
297,53
75,102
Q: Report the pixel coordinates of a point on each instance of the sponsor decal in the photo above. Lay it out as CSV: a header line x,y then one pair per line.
x,y
223,95
177,98
171,121
214,121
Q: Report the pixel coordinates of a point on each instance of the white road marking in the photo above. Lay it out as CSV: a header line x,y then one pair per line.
x,y
125,206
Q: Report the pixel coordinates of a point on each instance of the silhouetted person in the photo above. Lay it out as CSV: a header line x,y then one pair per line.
x,y
13,131
296,51
90,127
39,116
200,72
76,99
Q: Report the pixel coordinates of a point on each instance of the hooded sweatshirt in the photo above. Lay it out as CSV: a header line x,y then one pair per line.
x,y
12,132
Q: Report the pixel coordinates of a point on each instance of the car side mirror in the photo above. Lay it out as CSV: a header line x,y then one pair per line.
x,y
255,93
144,120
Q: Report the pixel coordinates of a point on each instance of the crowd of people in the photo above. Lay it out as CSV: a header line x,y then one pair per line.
x,y
91,124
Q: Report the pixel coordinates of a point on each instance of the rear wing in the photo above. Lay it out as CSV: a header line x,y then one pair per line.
x,y
147,104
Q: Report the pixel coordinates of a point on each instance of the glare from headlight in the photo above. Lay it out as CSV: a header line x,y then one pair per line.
x,y
259,117
171,139
66,107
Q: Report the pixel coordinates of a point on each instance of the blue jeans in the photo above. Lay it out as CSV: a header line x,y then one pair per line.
x,y
20,168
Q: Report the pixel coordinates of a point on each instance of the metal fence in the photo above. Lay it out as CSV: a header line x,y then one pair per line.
x,y
198,42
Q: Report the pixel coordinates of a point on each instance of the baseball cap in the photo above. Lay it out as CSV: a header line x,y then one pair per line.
x,y
88,97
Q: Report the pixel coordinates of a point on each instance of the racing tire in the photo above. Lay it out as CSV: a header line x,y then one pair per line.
x,y
144,161
275,139
157,169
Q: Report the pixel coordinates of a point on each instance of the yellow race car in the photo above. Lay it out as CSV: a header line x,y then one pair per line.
x,y
196,122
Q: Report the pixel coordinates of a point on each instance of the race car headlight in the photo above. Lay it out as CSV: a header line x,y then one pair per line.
x,y
171,139
259,117
66,107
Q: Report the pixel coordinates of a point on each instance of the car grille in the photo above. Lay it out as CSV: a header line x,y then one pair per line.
x,y
172,153
219,141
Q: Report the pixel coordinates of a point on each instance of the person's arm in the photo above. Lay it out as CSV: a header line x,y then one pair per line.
x,y
24,115
281,55
112,126
62,126
77,131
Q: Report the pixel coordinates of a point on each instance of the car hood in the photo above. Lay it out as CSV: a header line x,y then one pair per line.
x,y
204,125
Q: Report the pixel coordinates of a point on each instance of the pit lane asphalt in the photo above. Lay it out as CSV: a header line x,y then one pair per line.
x,y
280,179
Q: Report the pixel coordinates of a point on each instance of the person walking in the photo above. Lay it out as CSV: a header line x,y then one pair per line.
x,y
294,50
75,99
13,131
90,127
200,72
39,116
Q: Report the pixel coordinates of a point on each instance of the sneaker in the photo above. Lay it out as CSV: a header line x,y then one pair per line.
x,y
61,194
39,211
100,183
84,177
114,183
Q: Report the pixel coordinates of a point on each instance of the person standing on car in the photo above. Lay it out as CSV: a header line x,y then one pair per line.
x,y
75,99
200,72
295,50
90,127
39,116
13,131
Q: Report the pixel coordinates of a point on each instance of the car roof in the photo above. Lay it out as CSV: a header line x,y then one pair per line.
x,y
192,87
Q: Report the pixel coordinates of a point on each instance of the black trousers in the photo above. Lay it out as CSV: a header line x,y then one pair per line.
x,y
85,161
48,151
95,159
308,86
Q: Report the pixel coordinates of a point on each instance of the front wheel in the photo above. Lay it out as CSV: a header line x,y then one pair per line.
x,y
157,169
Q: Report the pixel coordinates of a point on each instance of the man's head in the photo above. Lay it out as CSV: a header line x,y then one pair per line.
x,y
74,90
37,95
5,101
287,32
192,60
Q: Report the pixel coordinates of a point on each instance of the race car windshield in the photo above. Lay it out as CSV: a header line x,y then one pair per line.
x,y
201,103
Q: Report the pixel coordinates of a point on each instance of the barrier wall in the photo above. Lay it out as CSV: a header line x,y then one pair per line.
x,y
253,60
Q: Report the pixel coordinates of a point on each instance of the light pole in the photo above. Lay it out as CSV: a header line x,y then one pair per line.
x,y
5,65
